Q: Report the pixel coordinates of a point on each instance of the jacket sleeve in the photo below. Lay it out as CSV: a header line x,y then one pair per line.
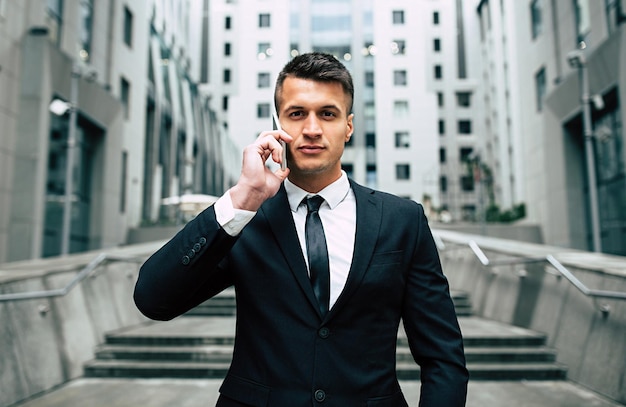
x,y
432,328
185,271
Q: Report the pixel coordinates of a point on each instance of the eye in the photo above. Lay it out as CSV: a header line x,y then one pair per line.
x,y
328,114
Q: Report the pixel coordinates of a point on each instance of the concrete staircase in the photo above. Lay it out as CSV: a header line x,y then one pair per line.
x,y
199,345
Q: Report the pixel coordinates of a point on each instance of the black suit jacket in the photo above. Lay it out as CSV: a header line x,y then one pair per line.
x,y
285,353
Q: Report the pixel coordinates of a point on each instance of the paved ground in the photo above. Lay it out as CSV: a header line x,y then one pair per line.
x,y
202,393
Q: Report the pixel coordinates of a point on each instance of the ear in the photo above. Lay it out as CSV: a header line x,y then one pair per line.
x,y
349,127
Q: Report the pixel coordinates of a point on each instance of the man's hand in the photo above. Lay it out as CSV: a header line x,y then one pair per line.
x,y
257,182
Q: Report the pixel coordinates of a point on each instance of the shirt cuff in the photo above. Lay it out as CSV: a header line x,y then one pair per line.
x,y
232,220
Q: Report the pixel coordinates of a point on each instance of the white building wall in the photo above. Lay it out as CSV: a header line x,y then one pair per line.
x,y
420,122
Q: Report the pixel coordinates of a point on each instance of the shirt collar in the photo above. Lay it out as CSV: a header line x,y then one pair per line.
x,y
333,194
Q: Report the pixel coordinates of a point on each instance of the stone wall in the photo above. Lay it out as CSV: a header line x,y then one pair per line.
x,y
589,334
46,341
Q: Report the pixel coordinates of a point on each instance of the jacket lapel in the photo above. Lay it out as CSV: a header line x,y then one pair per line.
x,y
284,230
368,220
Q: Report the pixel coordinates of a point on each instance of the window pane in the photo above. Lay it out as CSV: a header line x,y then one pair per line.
x,y
398,47
540,88
403,171
399,78
402,139
264,80
128,27
263,110
398,17
437,44
465,127
463,99
264,20
400,108
535,18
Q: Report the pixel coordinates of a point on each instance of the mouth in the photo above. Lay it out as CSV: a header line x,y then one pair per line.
x,y
311,149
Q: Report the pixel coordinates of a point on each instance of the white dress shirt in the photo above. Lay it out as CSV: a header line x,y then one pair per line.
x,y
338,215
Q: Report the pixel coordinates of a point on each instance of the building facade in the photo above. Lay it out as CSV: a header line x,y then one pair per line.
x,y
135,127
396,51
536,55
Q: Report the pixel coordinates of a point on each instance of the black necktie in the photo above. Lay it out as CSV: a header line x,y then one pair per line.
x,y
317,253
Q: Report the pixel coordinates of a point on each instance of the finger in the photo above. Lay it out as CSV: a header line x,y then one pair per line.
x,y
277,135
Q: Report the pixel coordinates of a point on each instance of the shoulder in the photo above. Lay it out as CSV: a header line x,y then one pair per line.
x,y
387,199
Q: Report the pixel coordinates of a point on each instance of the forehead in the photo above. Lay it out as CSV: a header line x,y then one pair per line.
x,y
307,92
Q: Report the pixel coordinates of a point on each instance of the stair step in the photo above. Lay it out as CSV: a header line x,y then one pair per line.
x,y
405,371
143,369
496,355
216,353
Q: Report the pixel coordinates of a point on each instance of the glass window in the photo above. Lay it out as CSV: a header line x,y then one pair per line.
x,y
55,20
225,102
540,87
435,17
400,108
403,139
370,110
442,127
398,16
403,171
125,96
85,29
467,183
227,49
399,78
228,22
124,181
369,79
264,20
370,140
264,50
263,110
437,44
227,76
583,25
465,127
263,80
443,183
128,27
465,154
398,47
463,99
440,101
535,18
438,72
442,155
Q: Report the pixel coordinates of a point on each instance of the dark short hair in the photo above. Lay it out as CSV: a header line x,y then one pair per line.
x,y
316,66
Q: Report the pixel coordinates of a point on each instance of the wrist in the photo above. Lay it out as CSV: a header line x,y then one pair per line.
x,y
246,198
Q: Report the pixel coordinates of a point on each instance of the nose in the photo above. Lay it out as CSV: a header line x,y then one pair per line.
x,y
312,127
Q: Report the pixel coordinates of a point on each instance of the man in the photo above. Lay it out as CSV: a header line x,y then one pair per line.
x,y
318,307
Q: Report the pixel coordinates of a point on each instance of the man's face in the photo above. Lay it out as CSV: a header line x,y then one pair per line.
x,y
315,115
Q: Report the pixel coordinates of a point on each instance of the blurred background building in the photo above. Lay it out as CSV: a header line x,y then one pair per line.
x,y
474,108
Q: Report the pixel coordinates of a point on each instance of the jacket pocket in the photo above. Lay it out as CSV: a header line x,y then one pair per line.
x,y
395,400
245,391
381,259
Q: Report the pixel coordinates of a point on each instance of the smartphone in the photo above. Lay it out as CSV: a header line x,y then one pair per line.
x,y
276,126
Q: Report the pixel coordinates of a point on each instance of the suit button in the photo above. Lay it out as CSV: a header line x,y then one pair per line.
x,y
202,241
185,260
323,332
197,247
320,395
191,253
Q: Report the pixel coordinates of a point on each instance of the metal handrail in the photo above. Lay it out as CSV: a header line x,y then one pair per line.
x,y
89,269
558,266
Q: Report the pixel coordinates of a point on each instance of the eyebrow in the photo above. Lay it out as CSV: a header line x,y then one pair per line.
x,y
298,107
